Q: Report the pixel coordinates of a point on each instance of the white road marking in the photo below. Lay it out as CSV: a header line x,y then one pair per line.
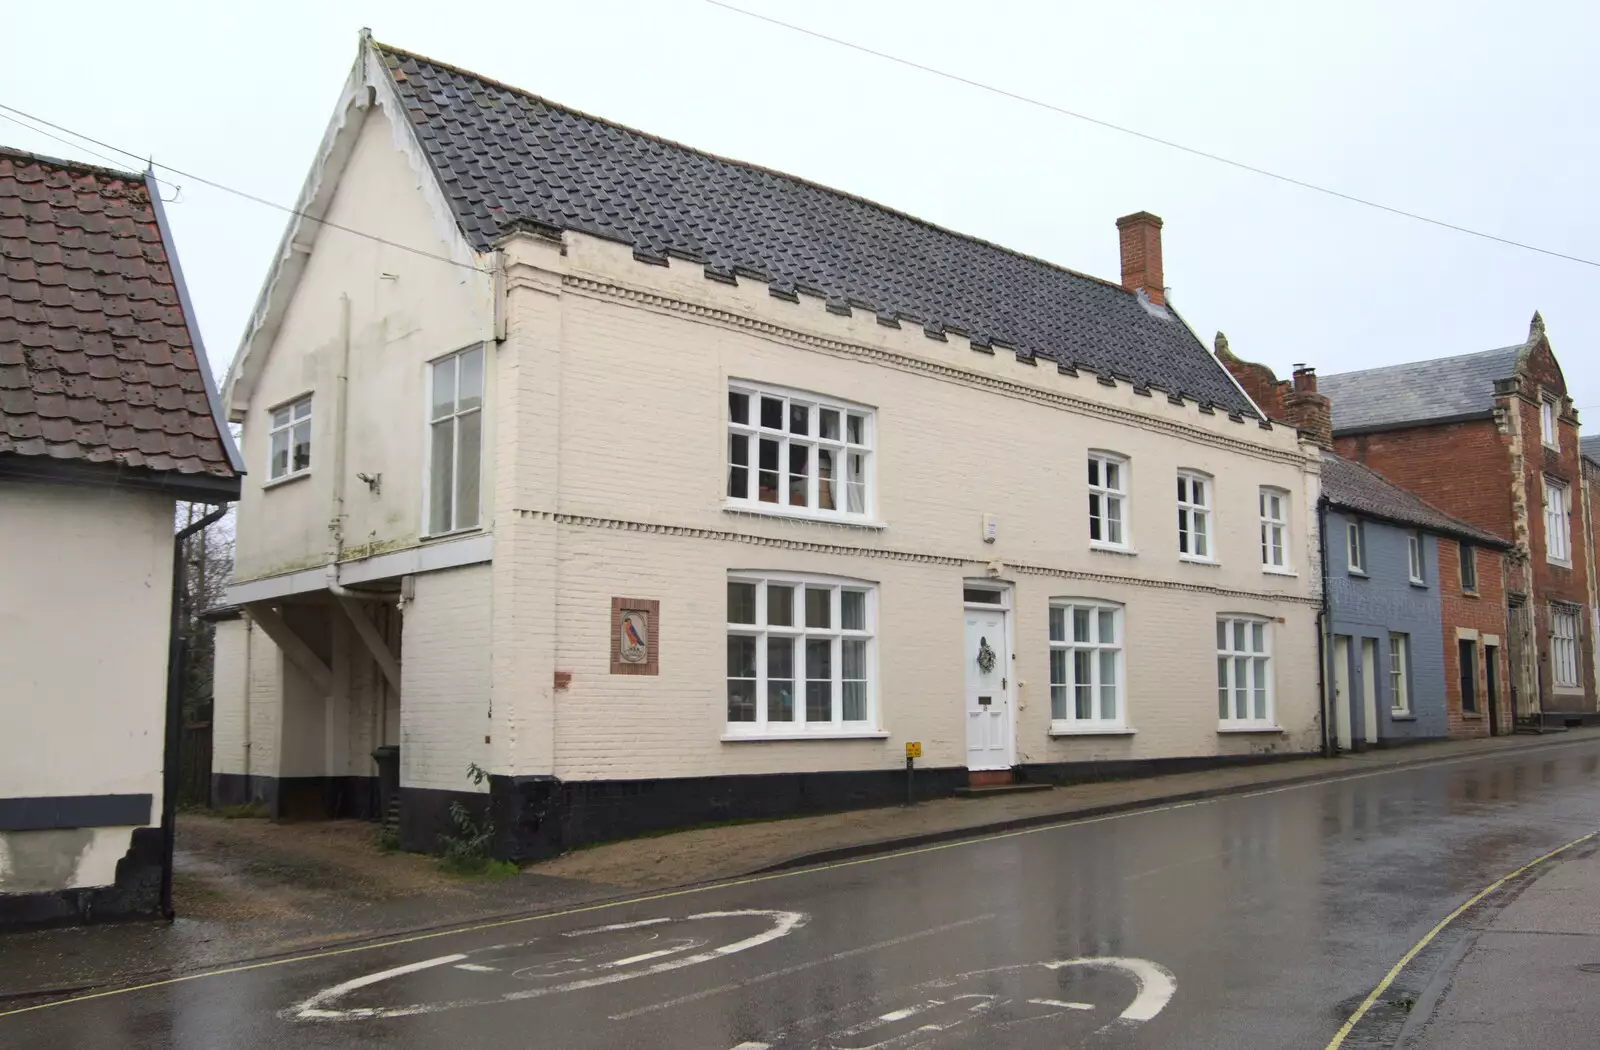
x,y
475,968
312,1007
1064,1006
1155,982
783,923
799,967
753,1046
614,927
647,956
901,1015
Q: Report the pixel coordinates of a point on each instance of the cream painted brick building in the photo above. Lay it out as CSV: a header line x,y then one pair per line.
x,y
711,515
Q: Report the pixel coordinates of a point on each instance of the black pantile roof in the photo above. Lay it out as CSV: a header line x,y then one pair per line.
x,y
502,154
1418,392
1348,484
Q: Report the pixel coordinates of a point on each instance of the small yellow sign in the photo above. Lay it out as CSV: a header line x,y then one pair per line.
x,y
913,749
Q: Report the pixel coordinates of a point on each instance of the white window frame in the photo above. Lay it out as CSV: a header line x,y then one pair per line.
x,y
1254,661
1557,522
1467,567
854,464
1103,497
1399,674
1564,673
457,520
1274,528
1355,548
1549,423
1064,681
295,414
1196,537
799,634
1414,552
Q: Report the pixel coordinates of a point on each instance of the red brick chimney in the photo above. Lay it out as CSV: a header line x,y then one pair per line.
x,y
1141,255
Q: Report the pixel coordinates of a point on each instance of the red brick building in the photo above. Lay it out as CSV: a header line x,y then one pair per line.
x,y
1589,454
1472,596
1492,438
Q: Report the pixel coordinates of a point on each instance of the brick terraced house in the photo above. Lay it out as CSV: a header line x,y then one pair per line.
x,y
108,417
1416,624
1492,438
667,488
1414,631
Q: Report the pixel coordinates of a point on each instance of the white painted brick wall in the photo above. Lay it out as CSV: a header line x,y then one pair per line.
x,y
640,395
444,710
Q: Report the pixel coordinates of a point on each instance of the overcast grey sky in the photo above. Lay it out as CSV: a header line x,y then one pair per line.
x,y
1480,114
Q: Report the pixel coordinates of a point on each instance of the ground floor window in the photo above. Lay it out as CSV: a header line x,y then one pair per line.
x,y
800,654
1086,664
1399,661
1244,672
1467,667
1564,645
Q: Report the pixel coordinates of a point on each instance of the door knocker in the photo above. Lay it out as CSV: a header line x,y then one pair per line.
x,y
985,656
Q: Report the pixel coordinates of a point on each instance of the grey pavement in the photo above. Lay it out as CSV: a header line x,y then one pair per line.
x,y
1529,975
1253,920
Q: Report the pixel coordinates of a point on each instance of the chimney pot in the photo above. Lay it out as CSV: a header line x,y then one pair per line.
x,y
1141,255
1305,380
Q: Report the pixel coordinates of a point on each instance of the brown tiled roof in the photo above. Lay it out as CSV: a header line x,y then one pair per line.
x,y
96,360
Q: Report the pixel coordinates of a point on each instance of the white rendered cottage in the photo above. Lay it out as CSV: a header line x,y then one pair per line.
x,y
108,417
666,489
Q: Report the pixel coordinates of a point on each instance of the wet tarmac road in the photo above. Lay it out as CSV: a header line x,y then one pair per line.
x,y
1253,921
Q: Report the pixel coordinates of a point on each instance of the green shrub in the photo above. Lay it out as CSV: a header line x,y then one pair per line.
x,y
465,850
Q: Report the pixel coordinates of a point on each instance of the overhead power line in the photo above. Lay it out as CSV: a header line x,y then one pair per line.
x,y
1134,132
65,142
227,189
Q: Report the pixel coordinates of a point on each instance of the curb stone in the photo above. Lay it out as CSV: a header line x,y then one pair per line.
x,y
1082,813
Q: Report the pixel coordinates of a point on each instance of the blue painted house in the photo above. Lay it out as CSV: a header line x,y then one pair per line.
x,y
1391,607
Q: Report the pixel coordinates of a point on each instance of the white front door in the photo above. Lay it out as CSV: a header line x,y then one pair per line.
x,y
987,653
1369,686
1341,690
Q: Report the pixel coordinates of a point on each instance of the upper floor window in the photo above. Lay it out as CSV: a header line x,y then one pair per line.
x,y
455,439
1274,528
1469,567
290,441
1108,499
1414,549
798,453
1086,664
1356,547
1244,672
1564,645
1547,423
1557,522
799,655
1194,516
